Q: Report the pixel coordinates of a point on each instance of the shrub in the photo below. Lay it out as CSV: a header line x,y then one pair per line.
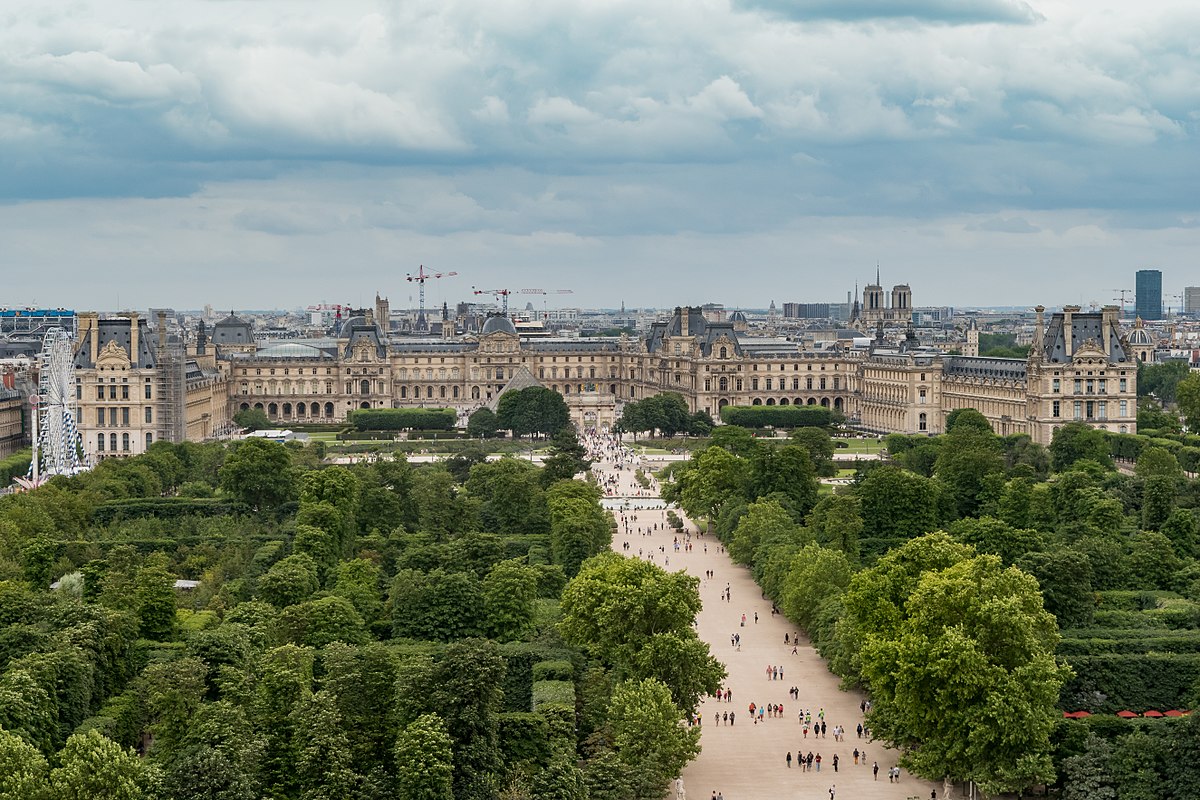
x,y
552,671
777,416
396,419
553,693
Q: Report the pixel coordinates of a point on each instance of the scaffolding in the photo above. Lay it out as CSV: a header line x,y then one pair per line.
x,y
170,364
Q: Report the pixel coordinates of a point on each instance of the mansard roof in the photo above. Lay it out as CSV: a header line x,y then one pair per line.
x,y
115,331
232,330
698,328
1084,326
1005,369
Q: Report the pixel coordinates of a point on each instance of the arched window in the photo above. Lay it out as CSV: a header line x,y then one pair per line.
x,y
770,401
723,353
837,403
403,392
723,384
149,439
922,422
455,392
442,392
125,442
287,409
100,442
474,392
244,407
783,401
429,392
259,406
112,442
301,410
272,409
364,387
756,402
315,409
329,410
364,404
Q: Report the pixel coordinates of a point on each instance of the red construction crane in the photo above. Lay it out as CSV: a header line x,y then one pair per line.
x,y
420,279
500,294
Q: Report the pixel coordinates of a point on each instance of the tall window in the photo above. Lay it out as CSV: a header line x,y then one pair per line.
x,y
149,439
125,442
148,390
922,422
1055,409
100,442
124,416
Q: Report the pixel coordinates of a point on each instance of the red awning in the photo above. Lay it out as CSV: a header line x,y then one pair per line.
x,y
1173,713
1126,714
1152,713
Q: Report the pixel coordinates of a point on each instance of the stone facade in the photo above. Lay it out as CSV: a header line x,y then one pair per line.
x,y
1080,368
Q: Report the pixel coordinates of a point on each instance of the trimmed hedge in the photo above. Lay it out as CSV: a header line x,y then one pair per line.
x,y
777,416
557,670
524,738
165,508
1134,681
398,419
561,693
15,466
1134,641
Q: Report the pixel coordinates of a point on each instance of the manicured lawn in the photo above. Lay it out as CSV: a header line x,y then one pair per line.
x,y
858,446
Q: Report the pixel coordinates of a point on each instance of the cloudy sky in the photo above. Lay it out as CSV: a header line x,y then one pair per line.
x,y
274,153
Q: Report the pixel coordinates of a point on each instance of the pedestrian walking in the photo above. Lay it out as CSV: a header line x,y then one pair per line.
x,y
875,770
818,760
835,762
789,759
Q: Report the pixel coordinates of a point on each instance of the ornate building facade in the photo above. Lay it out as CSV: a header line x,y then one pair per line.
x,y
132,392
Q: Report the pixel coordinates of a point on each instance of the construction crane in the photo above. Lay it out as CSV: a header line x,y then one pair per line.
x,y
1122,299
420,279
500,294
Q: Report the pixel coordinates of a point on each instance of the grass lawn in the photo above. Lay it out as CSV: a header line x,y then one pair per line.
x,y
859,446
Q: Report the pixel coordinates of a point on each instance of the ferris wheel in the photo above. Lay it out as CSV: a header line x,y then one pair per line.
x,y
57,445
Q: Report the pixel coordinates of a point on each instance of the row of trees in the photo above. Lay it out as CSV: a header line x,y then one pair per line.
x,y
977,586
368,631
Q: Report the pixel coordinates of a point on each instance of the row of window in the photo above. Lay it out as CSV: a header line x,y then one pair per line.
x,y
112,391
1088,409
112,442
124,416
1089,385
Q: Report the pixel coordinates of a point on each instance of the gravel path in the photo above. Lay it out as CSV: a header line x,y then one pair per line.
x,y
747,761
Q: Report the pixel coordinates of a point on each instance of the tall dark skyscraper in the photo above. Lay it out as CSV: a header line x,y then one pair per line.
x,y
1149,294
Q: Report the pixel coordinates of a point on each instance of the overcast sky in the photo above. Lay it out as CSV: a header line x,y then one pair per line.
x,y
274,153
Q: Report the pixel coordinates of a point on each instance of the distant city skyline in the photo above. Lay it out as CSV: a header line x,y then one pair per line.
x,y
274,154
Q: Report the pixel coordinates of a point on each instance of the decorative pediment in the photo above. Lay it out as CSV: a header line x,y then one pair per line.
x,y
363,349
1090,349
112,356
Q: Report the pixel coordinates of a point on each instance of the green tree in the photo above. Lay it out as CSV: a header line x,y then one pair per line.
x,y
713,478
897,504
510,495
219,759
560,780
508,591
335,485
1157,462
318,544
289,581
359,581
819,445
815,576
1158,501
1187,394
316,623
172,692
967,681
991,535
154,599
92,766
963,420
252,419
567,458
787,471
1077,441
1065,577
23,771
637,618
764,522
259,473
324,763
439,605
483,424
535,409
424,760
1161,380
646,730
966,460
836,522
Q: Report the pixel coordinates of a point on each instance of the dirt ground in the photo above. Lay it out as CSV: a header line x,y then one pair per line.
x,y
747,761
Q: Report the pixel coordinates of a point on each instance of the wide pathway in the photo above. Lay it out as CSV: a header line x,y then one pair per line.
x,y
747,761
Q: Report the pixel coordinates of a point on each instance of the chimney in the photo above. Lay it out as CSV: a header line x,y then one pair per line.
x,y
1109,327
87,328
1069,329
684,313
132,316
